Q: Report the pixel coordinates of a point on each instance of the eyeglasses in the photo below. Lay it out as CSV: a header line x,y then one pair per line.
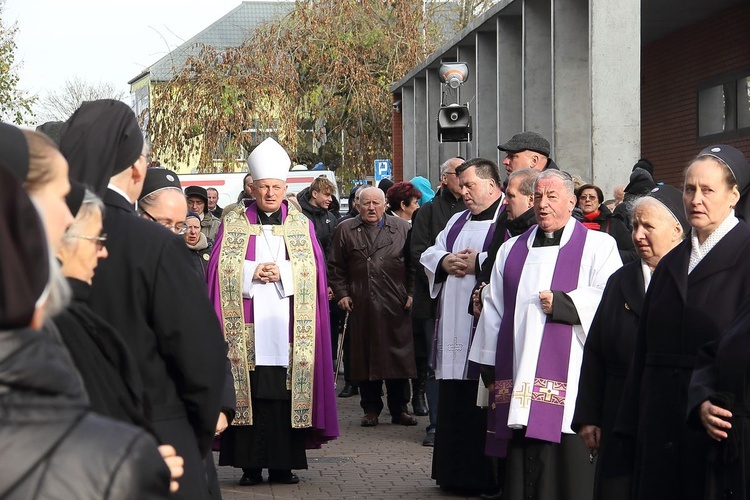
x,y
98,240
176,228
450,173
147,157
588,197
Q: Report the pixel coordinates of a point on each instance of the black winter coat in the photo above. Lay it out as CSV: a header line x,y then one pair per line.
x,y
148,292
722,375
52,445
606,360
681,313
614,227
324,221
427,223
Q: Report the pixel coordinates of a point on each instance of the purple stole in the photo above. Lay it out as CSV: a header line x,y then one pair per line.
x,y
550,380
472,370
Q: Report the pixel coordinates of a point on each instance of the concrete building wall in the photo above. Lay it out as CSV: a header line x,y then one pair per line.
x,y
537,65
673,70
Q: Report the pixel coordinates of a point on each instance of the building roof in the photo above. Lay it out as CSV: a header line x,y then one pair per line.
x,y
231,30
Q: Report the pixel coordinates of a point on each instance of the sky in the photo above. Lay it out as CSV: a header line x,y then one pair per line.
x,y
101,40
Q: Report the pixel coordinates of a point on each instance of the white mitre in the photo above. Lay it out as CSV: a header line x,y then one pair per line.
x,y
269,161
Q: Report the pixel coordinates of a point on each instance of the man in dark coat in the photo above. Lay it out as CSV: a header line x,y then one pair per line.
x,y
148,292
427,223
370,280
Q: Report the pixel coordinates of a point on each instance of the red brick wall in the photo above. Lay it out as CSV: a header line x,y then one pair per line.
x,y
398,142
671,70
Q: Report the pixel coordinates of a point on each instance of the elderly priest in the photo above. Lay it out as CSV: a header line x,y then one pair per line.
x,y
268,284
545,287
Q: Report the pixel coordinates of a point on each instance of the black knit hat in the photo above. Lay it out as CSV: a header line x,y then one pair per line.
x,y
640,183
736,162
645,164
671,198
158,178
24,268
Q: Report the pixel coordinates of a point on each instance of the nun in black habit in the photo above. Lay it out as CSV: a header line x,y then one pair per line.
x,y
719,398
695,293
147,291
659,224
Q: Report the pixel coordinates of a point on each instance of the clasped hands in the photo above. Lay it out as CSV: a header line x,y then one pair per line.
x,y
461,263
267,272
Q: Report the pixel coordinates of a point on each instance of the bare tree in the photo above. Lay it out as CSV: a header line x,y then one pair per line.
x,y
59,105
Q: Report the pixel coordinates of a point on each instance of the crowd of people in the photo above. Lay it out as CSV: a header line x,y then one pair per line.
x,y
562,345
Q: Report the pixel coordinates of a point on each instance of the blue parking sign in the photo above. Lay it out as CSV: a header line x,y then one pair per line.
x,y
382,170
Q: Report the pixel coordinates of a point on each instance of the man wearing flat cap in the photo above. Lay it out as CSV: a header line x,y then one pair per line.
x,y
527,150
147,290
197,200
267,280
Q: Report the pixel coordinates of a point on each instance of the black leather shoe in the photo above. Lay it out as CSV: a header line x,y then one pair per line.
x,y
250,479
429,439
283,478
348,391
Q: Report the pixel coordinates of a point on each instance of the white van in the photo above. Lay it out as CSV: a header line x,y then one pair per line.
x,y
229,186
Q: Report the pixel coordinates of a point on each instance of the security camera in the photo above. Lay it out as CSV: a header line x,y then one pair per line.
x,y
454,74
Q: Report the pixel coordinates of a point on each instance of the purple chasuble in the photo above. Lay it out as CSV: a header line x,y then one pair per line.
x,y
324,415
550,380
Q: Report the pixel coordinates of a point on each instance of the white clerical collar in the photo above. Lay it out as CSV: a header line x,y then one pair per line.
x,y
120,192
647,273
698,252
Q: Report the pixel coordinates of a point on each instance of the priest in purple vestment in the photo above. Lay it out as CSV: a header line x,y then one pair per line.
x,y
545,287
268,284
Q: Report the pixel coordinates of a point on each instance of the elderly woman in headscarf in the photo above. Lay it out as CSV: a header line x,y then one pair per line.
x,y
50,440
197,243
695,293
659,224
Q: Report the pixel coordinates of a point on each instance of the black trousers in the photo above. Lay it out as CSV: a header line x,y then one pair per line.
x,y
372,402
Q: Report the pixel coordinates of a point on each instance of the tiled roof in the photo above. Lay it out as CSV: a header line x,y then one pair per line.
x,y
229,31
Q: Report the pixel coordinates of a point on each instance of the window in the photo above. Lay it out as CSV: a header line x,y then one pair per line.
x,y
724,107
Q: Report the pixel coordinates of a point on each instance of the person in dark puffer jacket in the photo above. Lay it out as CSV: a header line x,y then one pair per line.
x,y
51,444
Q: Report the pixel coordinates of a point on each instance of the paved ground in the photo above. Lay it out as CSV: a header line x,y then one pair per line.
x,y
384,462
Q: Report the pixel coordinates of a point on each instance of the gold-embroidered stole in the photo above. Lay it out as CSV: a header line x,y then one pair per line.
x,y
240,336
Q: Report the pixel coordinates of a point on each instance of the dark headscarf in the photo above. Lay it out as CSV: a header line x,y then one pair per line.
x,y
24,266
740,168
100,140
14,151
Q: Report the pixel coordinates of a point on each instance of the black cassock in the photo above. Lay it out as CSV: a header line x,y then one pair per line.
x,y
606,359
722,374
681,313
148,291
